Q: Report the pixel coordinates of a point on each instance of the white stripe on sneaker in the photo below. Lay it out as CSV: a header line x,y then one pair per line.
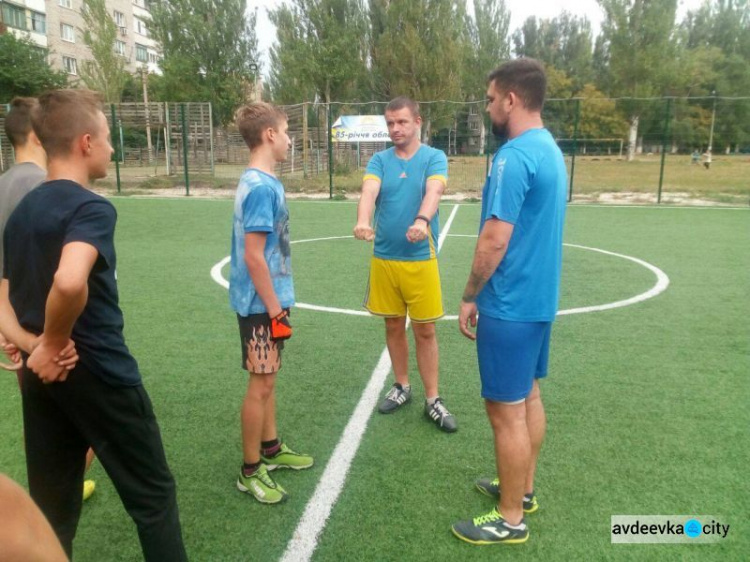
x,y
498,534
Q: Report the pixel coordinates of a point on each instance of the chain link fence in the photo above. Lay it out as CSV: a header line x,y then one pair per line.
x,y
617,149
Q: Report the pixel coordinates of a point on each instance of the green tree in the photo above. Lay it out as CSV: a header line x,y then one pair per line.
x,y
485,46
722,23
559,109
321,50
419,54
210,52
106,72
599,116
24,70
715,61
733,116
564,42
639,49
289,80
488,44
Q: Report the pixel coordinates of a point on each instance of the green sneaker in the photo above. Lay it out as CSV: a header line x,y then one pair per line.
x,y
261,486
491,529
286,458
491,488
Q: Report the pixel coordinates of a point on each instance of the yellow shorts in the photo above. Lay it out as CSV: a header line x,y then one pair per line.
x,y
397,286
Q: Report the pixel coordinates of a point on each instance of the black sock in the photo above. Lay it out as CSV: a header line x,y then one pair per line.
x,y
270,448
249,468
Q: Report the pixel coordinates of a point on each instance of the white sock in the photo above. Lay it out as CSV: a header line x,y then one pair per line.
x,y
431,401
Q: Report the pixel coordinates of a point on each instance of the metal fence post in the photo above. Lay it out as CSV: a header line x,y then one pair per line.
x,y
330,152
304,140
122,142
211,138
168,138
118,149
665,133
185,148
575,149
317,149
487,133
2,161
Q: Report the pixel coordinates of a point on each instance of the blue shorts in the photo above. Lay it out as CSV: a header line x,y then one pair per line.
x,y
511,355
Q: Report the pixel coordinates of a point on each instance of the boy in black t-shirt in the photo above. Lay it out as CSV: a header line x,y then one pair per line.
x,y
59,280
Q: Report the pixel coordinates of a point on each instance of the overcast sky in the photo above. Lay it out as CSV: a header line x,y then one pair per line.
x,y
519,11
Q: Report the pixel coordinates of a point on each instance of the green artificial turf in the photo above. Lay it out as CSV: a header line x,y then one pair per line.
x,y
647,404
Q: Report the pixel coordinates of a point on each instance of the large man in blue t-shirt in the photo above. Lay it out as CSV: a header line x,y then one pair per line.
x,y
403,185
514,285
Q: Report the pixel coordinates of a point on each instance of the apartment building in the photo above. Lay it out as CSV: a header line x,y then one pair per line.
x,y
26,18
59,26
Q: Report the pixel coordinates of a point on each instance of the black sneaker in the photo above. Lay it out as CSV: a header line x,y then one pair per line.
x,y
491,488
439,414
491,529
394,399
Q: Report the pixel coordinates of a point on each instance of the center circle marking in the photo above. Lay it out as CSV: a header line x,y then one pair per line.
x,y
662,282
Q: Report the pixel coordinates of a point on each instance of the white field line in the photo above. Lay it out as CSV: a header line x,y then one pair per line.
x,y
305,538
216,272
219,278
662,282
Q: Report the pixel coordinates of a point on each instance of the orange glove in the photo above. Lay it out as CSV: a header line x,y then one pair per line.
x,y
281,329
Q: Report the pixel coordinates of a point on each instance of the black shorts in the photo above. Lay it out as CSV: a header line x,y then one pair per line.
x,y
260,354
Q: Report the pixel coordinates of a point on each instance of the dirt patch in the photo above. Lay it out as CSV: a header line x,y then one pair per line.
x,y
667,198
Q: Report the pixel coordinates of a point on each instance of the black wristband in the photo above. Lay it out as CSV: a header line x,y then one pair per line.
x,y
422,217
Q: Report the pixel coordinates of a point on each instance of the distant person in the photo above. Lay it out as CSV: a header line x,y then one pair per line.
x,y
403,186
512,294
59,283
695,157
29,171
261,292
707,159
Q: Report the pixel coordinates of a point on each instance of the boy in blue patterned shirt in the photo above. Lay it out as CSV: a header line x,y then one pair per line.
x,y
261,292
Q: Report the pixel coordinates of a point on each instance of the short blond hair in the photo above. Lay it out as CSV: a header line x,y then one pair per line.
x,y
64,115
256,117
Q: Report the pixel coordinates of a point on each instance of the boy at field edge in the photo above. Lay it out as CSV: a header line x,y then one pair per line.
x,y
261,292
27,173
60,284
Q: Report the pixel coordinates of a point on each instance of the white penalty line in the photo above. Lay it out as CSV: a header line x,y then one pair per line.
x,y
304,541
